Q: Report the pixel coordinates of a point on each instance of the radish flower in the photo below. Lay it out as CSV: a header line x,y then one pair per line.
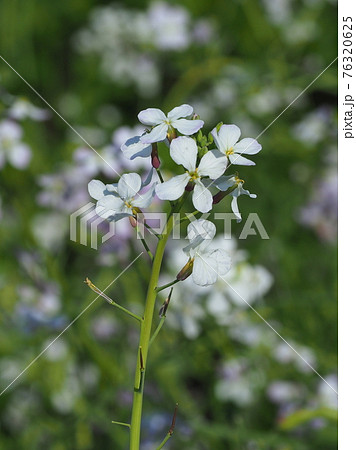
x,y
116,201
207,264
234,187
166,125
184,151
226,140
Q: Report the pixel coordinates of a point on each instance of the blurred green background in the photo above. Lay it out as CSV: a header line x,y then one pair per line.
x,y
239,386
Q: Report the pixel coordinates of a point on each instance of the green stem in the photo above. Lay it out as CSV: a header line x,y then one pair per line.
x,y
165,286
121,423
161,445
144,243
146,326
160,175
158,329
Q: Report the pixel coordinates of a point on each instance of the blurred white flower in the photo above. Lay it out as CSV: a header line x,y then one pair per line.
x,y
238,382
170,26
286,355
280,391
163,125
23,109
11,147
226,140
326,396
91,163
184,151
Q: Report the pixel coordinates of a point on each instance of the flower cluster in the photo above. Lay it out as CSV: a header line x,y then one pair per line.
x,y
204,170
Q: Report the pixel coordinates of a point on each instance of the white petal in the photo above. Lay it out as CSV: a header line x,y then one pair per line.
x,y
208,265
151,116
184,151
148,178
129,185
200,235
157,134
134,148
144,200
222,260
225,182
96,189
204,271
111,207
241,191
201,227
226,137
240,160
202,198
180,111
174,188
212,164
248,146
235,209
187,127
19,156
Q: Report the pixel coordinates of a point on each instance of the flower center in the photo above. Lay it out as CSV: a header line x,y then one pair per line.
x,y
238,180
194,175
229,151
128,204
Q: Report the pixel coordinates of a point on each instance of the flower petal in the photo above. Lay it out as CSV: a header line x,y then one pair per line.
x,y
202,198
235,209
180,111
248,146
129,185
212,164
151,116
134,148
157,134
240,160
111,207
187,127
225,182
148,178
96,189
201,227
222,260
173,188
204,272
226,137
184,151
144,200
241,191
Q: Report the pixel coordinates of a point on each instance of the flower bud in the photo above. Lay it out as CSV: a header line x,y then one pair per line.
x,y
133,221
154,156
186,271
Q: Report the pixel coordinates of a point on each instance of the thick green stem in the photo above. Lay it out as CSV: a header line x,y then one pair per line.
x,y
146,326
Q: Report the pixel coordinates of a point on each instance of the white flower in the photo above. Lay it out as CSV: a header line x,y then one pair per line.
x,y
163,124
226,182
207,264
11,148
22,109
226,140
116,201
184,151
